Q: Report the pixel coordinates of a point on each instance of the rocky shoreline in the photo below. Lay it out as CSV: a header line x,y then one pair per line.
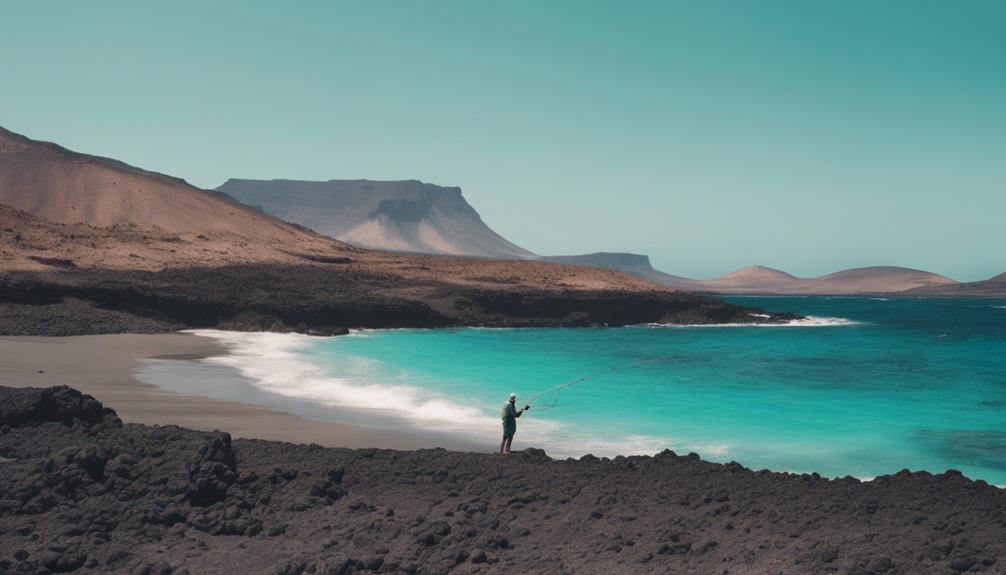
x,y
325,299
82,492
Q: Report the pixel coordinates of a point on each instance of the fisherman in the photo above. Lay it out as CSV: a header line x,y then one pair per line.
x,y
509,414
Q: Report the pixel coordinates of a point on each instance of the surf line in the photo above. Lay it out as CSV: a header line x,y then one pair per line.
x,y
571,382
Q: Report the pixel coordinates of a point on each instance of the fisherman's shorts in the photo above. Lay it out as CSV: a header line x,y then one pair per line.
x,y
509,430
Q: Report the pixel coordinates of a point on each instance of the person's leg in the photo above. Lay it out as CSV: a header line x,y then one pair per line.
x,y
503,445
509,440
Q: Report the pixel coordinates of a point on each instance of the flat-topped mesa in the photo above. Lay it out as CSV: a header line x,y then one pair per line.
x,y
402,216
404,210
419,200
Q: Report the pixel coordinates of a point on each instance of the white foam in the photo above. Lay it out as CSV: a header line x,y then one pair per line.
x,y
562,442
867,479
809,321
281,364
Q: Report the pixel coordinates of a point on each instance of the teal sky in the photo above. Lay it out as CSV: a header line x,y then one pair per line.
x,y
810,136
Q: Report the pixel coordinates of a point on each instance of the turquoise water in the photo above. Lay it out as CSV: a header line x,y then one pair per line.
x,y
917,384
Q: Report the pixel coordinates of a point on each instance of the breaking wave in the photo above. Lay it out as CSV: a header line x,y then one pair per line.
x,y
282,364
809,321
285,364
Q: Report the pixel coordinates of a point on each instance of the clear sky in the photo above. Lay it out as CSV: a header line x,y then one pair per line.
x,y
810,136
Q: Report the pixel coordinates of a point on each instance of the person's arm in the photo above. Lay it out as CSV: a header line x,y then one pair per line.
x,y
521,412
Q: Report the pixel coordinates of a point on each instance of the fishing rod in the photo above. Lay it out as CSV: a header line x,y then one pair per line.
x,y
562,386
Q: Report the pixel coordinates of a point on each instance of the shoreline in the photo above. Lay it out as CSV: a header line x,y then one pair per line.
x,y
104,366
107,367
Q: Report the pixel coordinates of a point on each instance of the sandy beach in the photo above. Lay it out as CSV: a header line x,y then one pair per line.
x,y
103,366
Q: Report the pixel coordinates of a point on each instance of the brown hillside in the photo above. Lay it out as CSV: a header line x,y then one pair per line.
x,y
61,186
33,244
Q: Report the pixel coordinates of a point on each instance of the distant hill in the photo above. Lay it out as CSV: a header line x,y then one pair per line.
x,y
882,279
403,216
769,281
751,279
992,287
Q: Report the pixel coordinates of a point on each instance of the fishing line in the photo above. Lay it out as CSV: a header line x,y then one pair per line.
x,y
557,390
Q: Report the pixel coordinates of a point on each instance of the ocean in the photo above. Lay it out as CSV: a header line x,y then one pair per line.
x,y
866,386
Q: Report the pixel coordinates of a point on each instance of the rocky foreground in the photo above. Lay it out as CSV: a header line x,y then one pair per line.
x,y
82,492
